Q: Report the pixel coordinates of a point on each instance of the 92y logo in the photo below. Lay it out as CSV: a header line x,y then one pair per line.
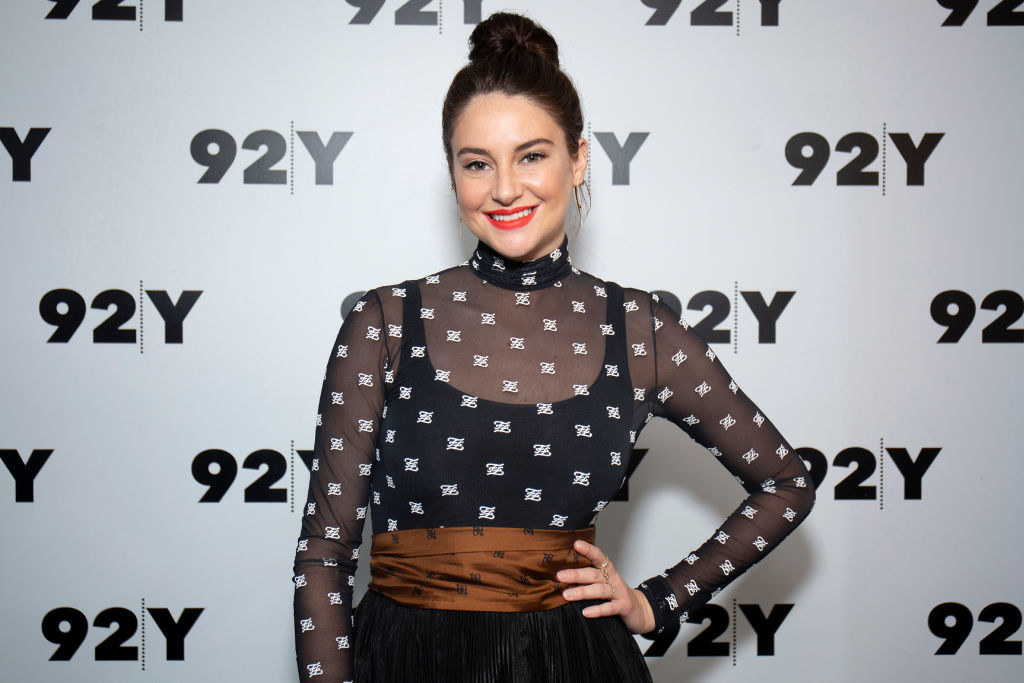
x,y
67,628
217,469
955,635
954,309
1003,14
65,310
708,12
704,644
216,150
412,13
809,152
764,625
114,10
864,463
766,312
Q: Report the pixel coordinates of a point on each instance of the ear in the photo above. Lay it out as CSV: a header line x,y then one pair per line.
x,y
579,164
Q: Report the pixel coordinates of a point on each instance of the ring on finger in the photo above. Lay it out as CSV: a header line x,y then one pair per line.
x,y
604,573
613,589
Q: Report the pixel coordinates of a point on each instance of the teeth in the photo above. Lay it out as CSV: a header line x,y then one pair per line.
x,y
511,216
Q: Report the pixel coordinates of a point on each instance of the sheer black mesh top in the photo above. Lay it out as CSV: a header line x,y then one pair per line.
x,y
511,394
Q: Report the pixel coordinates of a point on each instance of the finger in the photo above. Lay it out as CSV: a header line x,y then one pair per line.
x,y
591,552
605,609
582,575
591,591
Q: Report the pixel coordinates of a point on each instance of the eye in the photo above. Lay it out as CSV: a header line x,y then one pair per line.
x,y
475,165
534,156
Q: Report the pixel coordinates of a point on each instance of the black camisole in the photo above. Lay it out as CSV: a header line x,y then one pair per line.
x,y
451,458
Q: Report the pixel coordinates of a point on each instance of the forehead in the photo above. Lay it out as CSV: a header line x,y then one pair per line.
x,y
495,119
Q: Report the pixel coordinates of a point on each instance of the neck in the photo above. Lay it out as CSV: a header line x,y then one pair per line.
x,y
507,273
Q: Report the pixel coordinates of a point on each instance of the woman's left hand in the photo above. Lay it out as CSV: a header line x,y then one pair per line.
x,y
630,604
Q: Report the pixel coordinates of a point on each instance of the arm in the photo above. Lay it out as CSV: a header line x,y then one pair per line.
x,y
694,391
351,401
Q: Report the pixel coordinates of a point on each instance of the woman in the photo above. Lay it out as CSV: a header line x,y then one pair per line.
x,y
484,415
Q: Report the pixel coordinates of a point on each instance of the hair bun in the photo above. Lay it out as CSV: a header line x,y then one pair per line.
x,y
503,33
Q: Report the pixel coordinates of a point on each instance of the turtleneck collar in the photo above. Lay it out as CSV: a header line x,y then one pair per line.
x,y
492,267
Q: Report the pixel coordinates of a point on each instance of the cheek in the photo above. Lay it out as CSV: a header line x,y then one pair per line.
x,y
555,192
469,193
553,187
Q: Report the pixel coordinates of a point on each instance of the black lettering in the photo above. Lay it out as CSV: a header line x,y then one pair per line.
x,y
766,626
767,314
770,12
913,470
173,313
24,473
708,14
22,151
915,156
175,631
620,155
324,155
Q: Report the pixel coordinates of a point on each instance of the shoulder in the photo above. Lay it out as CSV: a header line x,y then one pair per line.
x,y
634,299
647,301
638,304
390,297
399,289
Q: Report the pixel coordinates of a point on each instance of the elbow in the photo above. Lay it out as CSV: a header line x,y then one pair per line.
x,y
809,494
799,493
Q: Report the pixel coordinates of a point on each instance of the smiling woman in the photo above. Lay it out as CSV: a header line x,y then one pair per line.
x,y
484,416
513,183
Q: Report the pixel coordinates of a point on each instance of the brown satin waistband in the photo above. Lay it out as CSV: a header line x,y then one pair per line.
x,y
499,569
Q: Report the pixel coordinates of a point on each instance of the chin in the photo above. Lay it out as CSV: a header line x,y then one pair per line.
x,y
513,249
522,248
517,251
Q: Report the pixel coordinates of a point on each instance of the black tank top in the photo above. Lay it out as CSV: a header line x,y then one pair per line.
x,y
447,458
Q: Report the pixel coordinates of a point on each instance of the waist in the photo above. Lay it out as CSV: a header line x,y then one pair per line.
x,y
476,568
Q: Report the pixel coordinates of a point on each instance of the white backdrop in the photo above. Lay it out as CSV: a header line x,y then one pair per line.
x,y
108,553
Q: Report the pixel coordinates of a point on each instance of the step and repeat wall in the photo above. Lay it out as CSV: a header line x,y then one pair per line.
x,y
192,190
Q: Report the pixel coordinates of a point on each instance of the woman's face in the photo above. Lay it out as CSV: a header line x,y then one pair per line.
x,y
513,175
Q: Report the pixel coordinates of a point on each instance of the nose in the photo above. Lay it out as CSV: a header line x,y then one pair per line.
x,y
507,187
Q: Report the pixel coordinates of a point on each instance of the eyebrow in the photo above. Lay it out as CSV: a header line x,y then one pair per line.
x,y
478,150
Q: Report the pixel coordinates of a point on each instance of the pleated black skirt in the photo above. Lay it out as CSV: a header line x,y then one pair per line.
x,y
394,643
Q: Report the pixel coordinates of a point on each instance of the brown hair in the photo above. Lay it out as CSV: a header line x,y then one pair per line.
x,y
512,54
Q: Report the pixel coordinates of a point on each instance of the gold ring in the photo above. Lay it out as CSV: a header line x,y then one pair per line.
x,y
605,563
613,589
604,573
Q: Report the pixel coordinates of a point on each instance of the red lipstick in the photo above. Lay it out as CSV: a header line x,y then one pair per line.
x,y
507,224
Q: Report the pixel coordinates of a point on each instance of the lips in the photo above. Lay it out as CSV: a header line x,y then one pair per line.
x,y
507,219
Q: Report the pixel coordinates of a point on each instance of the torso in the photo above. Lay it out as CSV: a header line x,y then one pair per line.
x,y
448,456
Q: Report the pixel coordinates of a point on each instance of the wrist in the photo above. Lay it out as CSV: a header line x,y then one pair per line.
x,y
656,590
647,622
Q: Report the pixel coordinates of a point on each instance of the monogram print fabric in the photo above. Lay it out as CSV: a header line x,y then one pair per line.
x,y
504,394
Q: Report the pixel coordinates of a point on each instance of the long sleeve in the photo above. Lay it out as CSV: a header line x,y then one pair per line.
x,y
349,414
694,391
